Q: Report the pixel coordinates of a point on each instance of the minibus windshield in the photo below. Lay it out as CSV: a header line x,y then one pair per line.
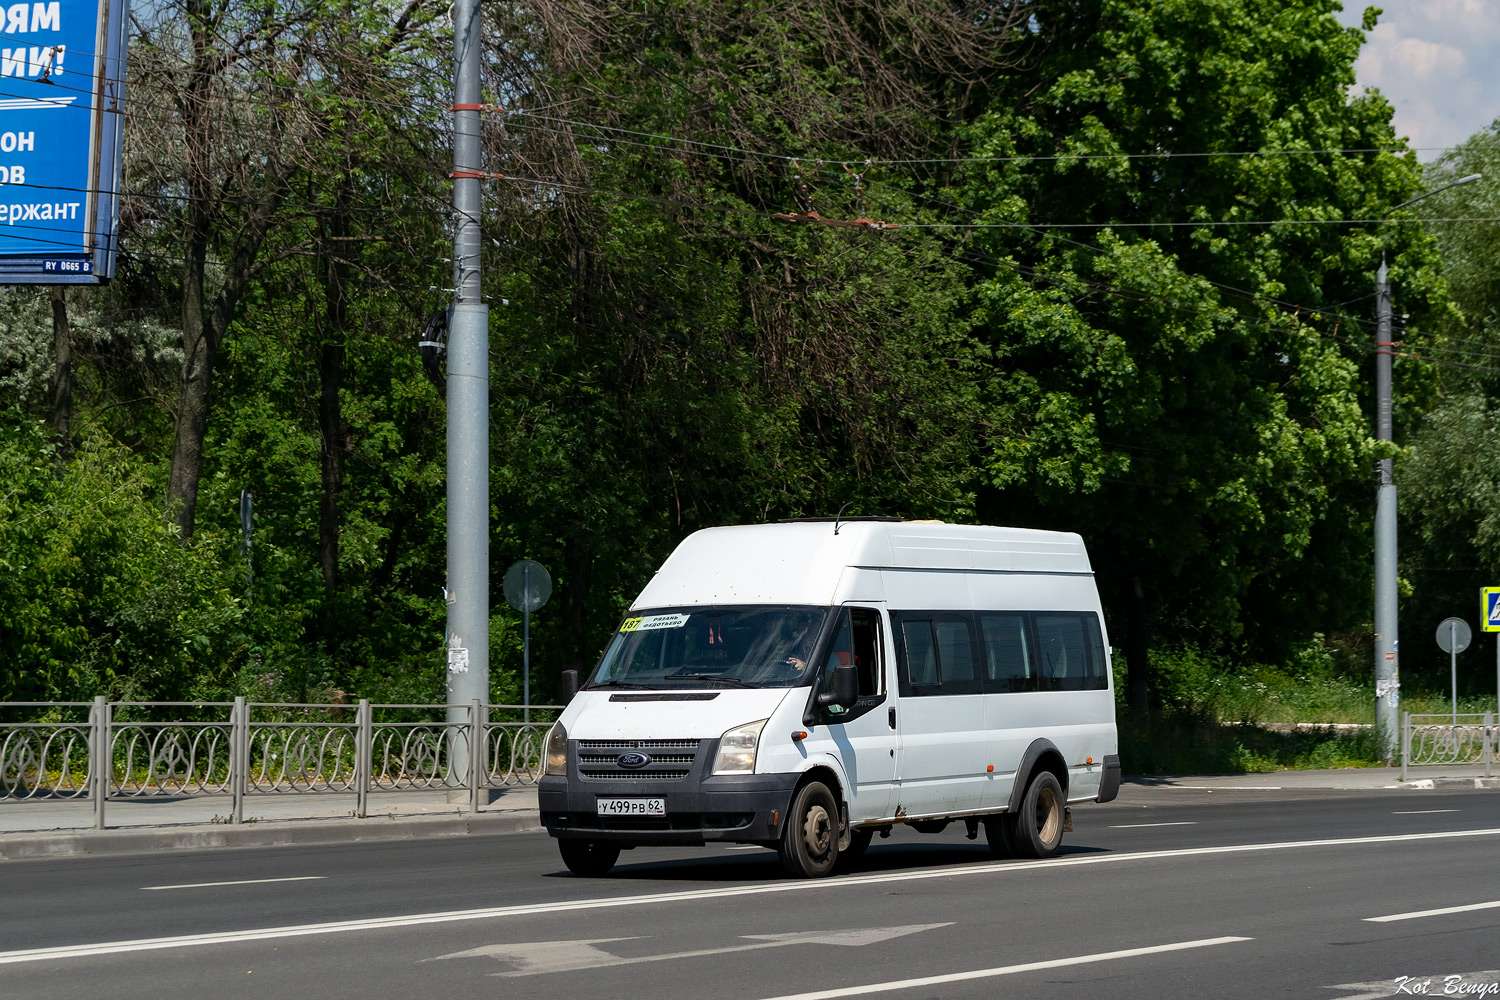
x,y
754,646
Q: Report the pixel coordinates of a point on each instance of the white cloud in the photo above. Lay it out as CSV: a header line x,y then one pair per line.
x,y
1438,62
1388,58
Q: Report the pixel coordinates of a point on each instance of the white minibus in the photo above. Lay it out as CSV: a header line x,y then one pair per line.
x,y
807,685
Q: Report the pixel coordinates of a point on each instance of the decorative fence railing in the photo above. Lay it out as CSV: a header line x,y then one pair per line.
x,y
240,748
1447,739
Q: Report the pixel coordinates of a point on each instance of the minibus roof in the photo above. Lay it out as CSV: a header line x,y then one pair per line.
x,y
803,562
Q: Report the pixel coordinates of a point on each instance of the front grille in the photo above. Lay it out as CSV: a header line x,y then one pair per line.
x,y
671,760
606,759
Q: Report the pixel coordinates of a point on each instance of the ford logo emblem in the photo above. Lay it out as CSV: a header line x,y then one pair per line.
x,y
633,760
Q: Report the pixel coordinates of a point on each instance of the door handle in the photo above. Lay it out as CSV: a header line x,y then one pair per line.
x,y
891,716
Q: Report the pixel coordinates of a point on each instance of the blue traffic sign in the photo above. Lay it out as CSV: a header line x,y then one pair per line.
x,y
1489,609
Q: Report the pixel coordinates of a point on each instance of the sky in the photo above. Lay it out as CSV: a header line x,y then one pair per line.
x,y
1437,62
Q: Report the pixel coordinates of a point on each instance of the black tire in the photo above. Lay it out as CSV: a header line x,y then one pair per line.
x,y
809,846
1000,833
589,858
859,842
1038,827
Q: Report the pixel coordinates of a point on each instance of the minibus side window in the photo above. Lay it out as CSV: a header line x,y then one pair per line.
x,y
1007,653
936,653
866,636
1063,649
921,657
1098,665
955,643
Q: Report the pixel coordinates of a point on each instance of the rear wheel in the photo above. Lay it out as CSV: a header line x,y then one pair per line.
x,y
1000,833
589,858
809,844
1039,821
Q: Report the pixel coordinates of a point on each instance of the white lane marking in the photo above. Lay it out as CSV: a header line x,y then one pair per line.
x,y
1008,970
245,881
747,847
690,895
1416,914
1421,812
537,958
1142,826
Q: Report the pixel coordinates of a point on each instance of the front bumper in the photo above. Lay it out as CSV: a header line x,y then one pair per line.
x,y
701,806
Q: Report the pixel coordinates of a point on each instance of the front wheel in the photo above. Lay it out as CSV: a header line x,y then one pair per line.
x,y
859,842
1039,822
809,845
589,858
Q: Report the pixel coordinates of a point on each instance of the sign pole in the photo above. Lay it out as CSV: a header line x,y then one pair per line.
x,y
1453,637
527,585
1387,670
1453,668
526,646
1489,620
468,459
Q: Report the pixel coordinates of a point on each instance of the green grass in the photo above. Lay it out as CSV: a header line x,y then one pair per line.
x,y
1180,743
1209,716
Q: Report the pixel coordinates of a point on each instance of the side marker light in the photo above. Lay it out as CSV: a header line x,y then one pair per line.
x,y
799,735
990,769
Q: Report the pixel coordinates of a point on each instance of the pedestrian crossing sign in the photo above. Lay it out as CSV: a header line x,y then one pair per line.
x,y
1489,609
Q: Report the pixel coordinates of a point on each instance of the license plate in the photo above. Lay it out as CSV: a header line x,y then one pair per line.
x,y
632,807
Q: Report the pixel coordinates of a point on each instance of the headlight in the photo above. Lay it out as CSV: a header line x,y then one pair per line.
x,y
557,751
737,748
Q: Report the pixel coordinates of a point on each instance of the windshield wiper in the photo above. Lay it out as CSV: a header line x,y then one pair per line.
x,y
617,684
731,681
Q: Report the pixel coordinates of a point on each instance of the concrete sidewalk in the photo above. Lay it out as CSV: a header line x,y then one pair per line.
x,y
60,828
57,828
1449,777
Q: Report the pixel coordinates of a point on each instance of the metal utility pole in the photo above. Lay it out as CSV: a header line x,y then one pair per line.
x,y
468,590
1387,673
1387,676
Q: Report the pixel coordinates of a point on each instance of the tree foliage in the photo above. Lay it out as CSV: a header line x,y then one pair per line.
x,y
1182,379
1159,335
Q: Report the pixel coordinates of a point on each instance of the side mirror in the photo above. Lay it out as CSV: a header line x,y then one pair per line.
x,y
843,688
569,685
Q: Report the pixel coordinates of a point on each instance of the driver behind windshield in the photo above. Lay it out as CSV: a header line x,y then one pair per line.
x,y
736,646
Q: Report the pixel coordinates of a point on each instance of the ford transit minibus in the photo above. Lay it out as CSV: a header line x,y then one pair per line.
x,y
807,685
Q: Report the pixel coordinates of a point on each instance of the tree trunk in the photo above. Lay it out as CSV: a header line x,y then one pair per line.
x,y
1137,648
199,352
207,212
60,416
199,345
330,412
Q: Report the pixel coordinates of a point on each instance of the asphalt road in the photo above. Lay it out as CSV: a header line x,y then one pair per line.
x,y
1166,893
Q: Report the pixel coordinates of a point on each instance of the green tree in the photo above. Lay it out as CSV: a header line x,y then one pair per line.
x,y
1449,483
1180,371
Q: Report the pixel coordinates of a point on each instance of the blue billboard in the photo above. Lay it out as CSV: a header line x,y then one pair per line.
x,y
62,72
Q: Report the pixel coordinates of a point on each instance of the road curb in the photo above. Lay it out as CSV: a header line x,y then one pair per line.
x,y
1434,783
99,843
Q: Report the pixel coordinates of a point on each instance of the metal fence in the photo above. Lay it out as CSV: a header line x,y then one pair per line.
x,y
107,751
1447,739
